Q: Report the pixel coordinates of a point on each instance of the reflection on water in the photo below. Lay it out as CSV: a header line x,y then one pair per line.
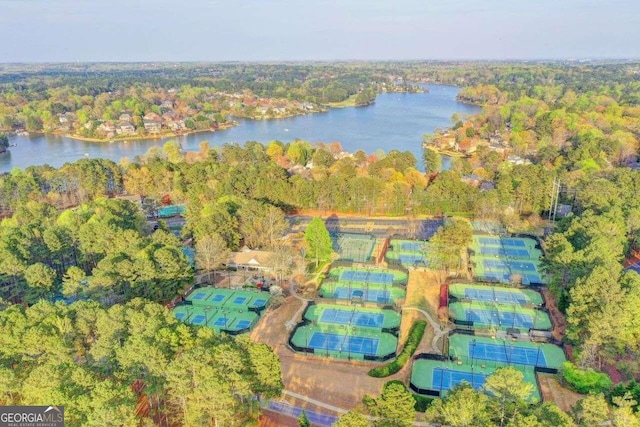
x,y
395,121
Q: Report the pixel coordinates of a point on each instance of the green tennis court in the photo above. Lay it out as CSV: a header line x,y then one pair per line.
x,y
498,294
380,294
354,247
477,350
481,314
440,376
218,319
342,342
172,210
377,275
410,253
352,316
223,309
498,259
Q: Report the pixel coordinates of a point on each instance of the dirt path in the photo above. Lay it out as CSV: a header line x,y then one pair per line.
x,y
552,391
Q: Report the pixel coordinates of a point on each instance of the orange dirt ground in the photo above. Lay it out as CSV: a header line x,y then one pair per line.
x,y
338,383
553,391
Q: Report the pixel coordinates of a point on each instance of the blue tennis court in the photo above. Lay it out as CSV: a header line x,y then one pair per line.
x,y
635,267
411,246
239,300
371,295
346,317
510,252
343,343
507,353
366,276
446,379
198,319
527,279
258,303
501,318
243,324
513,265
498,276
199,295
411,258
491,294
181,315
496,241
218,298
513,242
221,321
491,241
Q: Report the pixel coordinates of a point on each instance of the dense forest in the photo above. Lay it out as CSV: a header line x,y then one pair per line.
x,y
65,235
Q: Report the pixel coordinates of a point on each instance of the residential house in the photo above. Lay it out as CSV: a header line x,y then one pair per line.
x,y
125,128
125,117
168,105
106,127
176,125
152,126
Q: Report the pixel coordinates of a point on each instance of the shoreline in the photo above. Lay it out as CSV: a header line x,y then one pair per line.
x,y
135,138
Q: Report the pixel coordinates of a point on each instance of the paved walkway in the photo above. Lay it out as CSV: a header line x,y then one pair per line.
x,y
438,330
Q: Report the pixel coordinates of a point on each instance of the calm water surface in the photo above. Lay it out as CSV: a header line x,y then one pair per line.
x,y
395,121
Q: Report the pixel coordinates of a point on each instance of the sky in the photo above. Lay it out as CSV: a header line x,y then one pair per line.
x,y
287,30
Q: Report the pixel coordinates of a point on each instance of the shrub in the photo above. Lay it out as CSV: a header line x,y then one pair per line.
x,y
421,402
415,335
585,380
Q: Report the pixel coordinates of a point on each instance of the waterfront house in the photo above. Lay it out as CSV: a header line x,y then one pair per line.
x,y
125,128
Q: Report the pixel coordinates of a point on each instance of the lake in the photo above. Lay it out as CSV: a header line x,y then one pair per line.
x,y
395,121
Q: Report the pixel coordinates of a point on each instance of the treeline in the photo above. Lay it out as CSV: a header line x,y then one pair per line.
x,y
131,364
99,250
368,184
504,400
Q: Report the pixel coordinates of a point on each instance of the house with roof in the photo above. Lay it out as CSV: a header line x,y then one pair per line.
x,y
249,259
125,128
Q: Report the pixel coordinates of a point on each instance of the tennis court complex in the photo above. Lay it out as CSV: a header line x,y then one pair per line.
x,y
410,253
352,316
436,377
353,247
480,350
231,311
343,342
502,295
479,314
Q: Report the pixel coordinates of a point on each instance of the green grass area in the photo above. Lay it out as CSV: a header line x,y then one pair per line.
x,y
349,102
413,340
391,318
530,296
459,349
